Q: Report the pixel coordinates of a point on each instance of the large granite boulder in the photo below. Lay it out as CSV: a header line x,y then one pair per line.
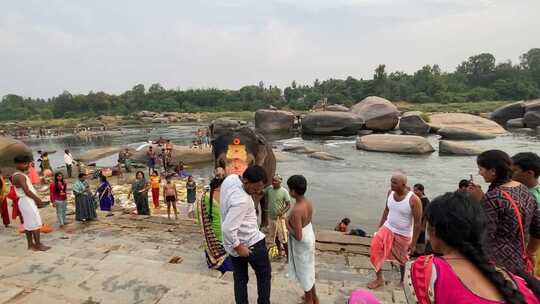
x,y
273,120
466,121
412,123
331,123
378,113
532,105
507,112
516,123
337,108
408,144
9,148
457,148
532,119
463,134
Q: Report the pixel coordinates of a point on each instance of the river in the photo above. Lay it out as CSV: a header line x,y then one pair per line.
x,y
354,187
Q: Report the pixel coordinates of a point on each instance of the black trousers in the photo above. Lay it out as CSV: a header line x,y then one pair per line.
x,y
69,170
259,261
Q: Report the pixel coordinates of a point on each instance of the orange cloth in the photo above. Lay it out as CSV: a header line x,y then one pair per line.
x,y
32,173
387,245
154,181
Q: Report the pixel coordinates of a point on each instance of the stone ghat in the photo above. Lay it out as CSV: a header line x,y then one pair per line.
x,y
128,258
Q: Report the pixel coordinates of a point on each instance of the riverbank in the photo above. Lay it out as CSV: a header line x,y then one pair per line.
x,y
128,258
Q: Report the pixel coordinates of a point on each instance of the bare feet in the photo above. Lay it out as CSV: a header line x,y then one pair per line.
x,y
375,284
42,247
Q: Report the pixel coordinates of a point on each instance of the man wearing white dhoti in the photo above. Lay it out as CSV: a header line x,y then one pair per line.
x,y
28,203
302,239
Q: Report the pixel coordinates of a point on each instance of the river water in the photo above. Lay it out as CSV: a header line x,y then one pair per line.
x,y
354,187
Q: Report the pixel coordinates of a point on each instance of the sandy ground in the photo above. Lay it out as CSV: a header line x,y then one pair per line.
x,y
126,258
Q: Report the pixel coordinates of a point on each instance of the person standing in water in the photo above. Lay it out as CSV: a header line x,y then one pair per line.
x,y
302,239
171,197
28,203
399,228
58,197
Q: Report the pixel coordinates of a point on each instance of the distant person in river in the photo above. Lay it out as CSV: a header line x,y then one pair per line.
x,y
399,228
171,197
155,181
151,160
526,169
418,189
139,189
343,226
462,272
58,197
85,205
28,203
46,163
191,188
511,210
302,239
105,195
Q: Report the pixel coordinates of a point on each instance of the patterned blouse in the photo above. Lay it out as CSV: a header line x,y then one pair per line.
x,y
503,239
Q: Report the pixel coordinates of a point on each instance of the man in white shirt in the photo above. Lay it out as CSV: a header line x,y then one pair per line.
x,y
68,160
242,238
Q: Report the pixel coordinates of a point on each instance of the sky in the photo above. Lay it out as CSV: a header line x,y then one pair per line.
x,y
50,46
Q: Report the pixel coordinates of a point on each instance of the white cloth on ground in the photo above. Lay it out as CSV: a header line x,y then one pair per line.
x,y
27,206
302,258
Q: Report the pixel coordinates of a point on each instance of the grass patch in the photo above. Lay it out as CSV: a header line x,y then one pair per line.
x,y
243,115
461,107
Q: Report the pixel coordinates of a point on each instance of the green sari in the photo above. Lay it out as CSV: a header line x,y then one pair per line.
x,y
141,198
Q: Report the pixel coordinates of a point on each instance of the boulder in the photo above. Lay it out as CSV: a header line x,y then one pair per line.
x,y
532,105
160,120
463,134
273,120
331,123
147,114
408,144
537,130
457,148
299,149
337,108
365,132
378,113
324,156
532,119
515,123
466,121
9,148
412,123
507,112
170,114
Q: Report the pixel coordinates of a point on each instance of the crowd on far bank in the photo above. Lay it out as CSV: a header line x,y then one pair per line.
x,y
479,246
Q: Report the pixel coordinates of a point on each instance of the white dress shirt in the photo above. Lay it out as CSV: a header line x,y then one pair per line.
x,y
238,216
68,159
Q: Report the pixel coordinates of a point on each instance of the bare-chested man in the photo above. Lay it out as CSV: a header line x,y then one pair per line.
x,y
171,197
28,203
302,239
399,228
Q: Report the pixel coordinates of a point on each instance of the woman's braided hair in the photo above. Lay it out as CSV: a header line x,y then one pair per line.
x,y
460,224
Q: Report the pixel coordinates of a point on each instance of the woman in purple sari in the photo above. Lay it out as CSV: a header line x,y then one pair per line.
x,y
105,195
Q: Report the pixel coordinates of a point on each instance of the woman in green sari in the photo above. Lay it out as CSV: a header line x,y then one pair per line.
x,y
139,188
209,217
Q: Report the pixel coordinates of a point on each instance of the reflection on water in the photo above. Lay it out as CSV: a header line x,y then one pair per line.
x,y
354,187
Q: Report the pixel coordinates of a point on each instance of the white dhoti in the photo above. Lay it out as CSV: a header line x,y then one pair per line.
x,y
30,214
302,258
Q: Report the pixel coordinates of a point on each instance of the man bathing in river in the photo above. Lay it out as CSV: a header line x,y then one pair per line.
x,y
171,197
399,228
28,203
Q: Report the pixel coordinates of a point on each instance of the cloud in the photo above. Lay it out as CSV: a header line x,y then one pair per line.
x,y
46,47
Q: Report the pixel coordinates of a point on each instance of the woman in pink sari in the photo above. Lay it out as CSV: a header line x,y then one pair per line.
x,y
461,272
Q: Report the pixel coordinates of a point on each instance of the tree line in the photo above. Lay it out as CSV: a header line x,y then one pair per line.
x,y
479,78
